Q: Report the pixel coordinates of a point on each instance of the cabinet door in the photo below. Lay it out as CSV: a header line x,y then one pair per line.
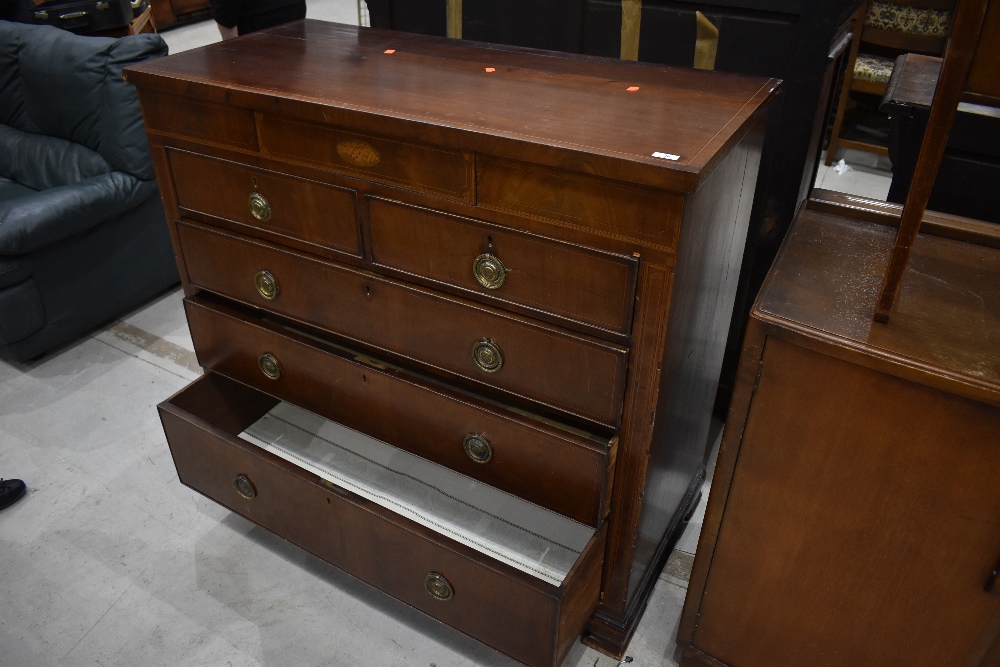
x,y
862,524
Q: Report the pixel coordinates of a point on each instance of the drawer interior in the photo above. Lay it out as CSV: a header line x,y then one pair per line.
x,y
499,525
503,526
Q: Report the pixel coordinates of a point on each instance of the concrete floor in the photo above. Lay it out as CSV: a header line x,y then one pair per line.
x,y
110,561
869,174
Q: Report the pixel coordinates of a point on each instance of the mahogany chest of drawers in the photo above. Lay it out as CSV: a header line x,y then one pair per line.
x,y
514,264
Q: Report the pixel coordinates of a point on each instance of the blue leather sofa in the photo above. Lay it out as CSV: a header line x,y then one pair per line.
x,y
82,231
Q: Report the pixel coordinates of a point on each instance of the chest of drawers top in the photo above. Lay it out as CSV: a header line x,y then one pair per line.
x,y
577,113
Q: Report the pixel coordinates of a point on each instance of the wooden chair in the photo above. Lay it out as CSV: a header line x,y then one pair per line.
x,y
883,30
969,72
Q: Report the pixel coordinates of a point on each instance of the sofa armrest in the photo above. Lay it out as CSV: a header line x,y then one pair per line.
x,y
44,217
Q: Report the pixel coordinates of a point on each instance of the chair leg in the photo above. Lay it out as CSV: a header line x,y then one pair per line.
x,y
838,120
845,88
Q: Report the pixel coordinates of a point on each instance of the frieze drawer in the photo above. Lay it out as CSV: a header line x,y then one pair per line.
x,y
435,170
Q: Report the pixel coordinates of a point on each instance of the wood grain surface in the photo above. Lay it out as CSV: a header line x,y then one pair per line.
x,y
566,372
854,516
564,471
565,280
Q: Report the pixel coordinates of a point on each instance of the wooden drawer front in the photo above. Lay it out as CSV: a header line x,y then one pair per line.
x,y
524,617
188,6
316,213
614,208
548,466
437,171
567,281
188,117
570,373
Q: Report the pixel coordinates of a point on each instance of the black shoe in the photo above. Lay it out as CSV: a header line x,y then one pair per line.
x,y
11,491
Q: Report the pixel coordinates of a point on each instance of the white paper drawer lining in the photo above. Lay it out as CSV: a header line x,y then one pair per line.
x,y
528,537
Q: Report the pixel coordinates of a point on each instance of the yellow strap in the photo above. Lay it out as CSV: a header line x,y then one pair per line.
x,y
631,18
454,18
707,43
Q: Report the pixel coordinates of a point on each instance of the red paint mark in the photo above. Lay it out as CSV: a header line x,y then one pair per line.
x,y
491,69
389,51
632,89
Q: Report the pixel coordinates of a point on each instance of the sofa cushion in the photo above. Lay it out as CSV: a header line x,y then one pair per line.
x,y
14,269
21,311
34,221
55,83
10,189
40,162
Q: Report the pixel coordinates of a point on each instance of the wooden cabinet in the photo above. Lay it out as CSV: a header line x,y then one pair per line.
x,y
855,512
169,13
480,257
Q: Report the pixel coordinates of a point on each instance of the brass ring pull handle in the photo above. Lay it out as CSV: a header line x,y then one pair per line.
x,y
244,487
438,587
266,285
478,448
260,208
487,355
269,366
489,271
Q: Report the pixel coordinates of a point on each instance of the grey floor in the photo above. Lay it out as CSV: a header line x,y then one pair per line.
x,y
110,561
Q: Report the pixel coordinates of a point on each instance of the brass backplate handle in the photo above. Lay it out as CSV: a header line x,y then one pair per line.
x,y
269,365
438,587
260,208
487,355
489,271
359,153
244,486
478,448
266,285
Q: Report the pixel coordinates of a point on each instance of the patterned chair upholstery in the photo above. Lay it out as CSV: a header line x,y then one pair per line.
x,y
909,20
884,30
875,69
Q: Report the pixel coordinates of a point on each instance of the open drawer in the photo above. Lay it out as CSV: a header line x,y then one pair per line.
x,y
292,472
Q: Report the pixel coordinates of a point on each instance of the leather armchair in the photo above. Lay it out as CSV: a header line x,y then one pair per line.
x,y
82,231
